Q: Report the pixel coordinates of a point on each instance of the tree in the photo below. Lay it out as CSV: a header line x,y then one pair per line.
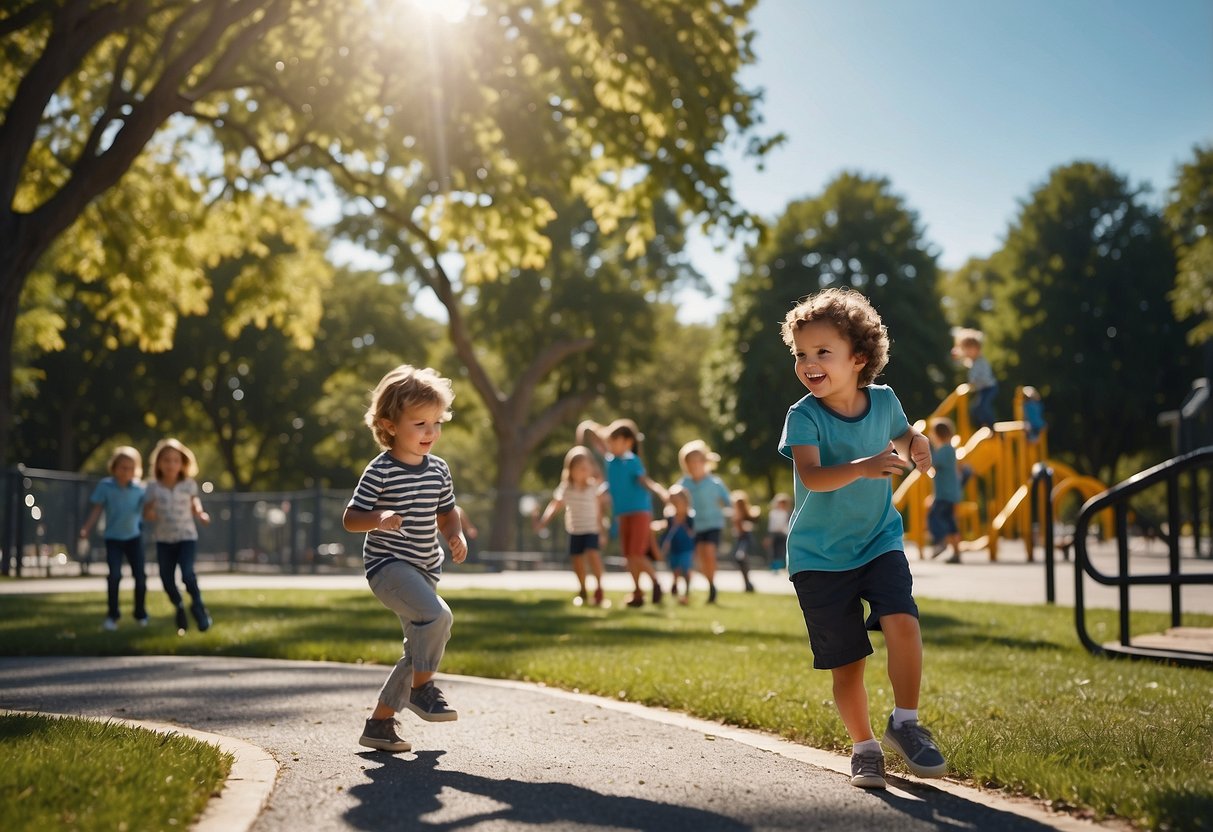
x,y
1190,216
449,134
856,233
1082,314
967,293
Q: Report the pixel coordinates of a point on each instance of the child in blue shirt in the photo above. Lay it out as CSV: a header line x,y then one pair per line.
x,y
709,499
941,519
678,540
845,545
120,496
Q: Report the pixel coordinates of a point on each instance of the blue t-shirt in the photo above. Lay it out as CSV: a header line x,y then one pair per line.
x,y
628,493
834,531
123,508
947,480
708,499
679,536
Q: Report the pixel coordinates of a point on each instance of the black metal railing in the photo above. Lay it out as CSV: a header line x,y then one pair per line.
x,y
1118,499
1042,520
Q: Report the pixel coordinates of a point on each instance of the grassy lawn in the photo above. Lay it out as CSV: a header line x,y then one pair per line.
x,y
65,773
1014,700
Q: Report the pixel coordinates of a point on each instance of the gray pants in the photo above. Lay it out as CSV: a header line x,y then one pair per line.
x,y
425,618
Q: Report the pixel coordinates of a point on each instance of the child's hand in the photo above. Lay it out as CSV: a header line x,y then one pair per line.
x,y
459,547
920,452
389,522
204,518
884,464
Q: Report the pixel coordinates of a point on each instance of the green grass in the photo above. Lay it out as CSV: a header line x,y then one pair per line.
x,y
66,773
1015,701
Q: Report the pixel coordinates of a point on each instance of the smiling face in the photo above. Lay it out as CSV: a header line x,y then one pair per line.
x,y
169,463
123,471
827,365
413,435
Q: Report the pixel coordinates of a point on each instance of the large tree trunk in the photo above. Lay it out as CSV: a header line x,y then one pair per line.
x,y
503,524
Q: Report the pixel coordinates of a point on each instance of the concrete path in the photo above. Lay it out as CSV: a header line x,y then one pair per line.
x,y
519,757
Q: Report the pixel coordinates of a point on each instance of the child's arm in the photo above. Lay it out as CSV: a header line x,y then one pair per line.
x,y
816,477
149,510
199,511
654,487
604,510
915,447
379,520
588,434
452,529
91,520
553,506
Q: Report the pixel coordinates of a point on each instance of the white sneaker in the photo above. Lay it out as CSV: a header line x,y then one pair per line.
x,y
110,624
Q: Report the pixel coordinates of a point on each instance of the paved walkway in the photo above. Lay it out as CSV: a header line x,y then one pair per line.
x,y
519,757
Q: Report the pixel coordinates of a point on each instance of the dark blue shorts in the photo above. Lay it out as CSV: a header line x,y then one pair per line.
x,y
580,543
832,603
708,536
941,520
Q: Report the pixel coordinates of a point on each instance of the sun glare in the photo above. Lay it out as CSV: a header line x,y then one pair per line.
x,y
451,11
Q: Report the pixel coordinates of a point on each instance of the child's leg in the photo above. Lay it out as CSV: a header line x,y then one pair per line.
x,y
167,556
188,554
705,556
134,556
426,622
579,570
594,561
903,640
113,560
851,697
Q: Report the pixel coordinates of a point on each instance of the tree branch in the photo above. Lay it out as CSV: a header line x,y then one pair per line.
x,y
541,426
527,383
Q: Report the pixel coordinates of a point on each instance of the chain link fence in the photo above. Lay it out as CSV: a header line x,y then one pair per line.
x,y
297,532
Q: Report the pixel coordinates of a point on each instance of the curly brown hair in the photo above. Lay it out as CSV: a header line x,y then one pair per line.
x,y
856,320
402,388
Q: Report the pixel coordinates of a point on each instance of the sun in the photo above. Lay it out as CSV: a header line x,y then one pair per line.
x,y
452,11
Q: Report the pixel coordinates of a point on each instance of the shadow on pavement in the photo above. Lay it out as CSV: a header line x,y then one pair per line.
x,y
407,793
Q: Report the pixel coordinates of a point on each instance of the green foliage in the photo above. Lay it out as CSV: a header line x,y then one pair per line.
x,y
1081,313
1015,701
67,773
857,233
1190,215
967,293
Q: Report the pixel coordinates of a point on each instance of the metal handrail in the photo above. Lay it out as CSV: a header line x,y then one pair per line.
x,y
1117,499
1042,477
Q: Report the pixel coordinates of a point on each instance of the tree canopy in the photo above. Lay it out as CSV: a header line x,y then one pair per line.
x,y
1190,216
857,233
1082,314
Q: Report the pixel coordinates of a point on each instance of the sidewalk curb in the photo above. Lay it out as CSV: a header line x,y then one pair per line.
x,y
905,786
248,785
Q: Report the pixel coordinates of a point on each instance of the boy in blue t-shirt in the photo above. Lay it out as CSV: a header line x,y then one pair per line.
x,y
845,544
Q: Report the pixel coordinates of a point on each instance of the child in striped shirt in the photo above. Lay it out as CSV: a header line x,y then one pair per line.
x,y
404,499
581,495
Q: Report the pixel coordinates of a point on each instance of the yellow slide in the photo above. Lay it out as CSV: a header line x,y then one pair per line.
x,y
1000,464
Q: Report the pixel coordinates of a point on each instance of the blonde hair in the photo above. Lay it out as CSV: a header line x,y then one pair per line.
x,y
403,388
969,338
126,452
856,320
680,492
697,446
741,502
575,454
189,463
779,498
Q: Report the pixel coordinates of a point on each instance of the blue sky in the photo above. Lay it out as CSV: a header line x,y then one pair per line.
x,y
966,106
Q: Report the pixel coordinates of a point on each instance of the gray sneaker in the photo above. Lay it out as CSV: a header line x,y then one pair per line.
x,y
917,747
867,770
381,734
428,703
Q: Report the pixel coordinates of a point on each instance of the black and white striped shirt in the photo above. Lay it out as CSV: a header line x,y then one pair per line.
x,y
418,493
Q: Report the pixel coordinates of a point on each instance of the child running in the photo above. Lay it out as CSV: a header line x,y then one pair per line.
x,y
404,499
581,497
941,518
628,487
846,438
120,496
744,516
779,515
677,540
709,499
172,506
